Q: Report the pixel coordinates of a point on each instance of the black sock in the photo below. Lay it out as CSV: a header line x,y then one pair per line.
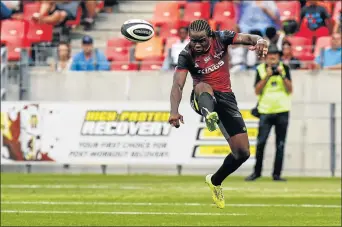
x,y
206,101
229,165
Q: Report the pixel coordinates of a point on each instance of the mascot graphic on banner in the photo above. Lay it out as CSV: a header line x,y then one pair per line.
x,y
21,134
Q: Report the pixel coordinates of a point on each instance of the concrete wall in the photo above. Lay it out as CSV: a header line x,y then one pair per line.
x,y
308,144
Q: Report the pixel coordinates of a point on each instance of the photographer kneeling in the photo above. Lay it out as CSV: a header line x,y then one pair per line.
x,y
273,87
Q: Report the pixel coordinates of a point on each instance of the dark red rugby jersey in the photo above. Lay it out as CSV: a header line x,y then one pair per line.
x,y
211,67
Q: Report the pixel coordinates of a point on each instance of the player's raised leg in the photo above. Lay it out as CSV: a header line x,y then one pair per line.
x,y
206,105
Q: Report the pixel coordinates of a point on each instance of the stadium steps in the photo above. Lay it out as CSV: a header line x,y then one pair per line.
x,y
108,25
137,7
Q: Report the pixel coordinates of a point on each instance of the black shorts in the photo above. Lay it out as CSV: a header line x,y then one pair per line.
x,y
227,110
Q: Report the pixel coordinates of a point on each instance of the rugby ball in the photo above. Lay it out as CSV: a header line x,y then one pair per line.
x,y
137,30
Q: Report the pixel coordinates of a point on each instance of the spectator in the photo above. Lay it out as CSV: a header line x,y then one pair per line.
x,y
6,13
172,57
57,12
275,37
90,13
258,15
316,16
89,59
331,58
287,56
64,59
109,4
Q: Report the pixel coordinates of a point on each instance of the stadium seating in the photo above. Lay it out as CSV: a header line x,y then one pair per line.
x,y
124,66
195,11
169,29
304,31
150,66
301,48
77,21
29,9
223,11
39,32
100,5
13,35
289,10
153,47
166,12
118,49
322,42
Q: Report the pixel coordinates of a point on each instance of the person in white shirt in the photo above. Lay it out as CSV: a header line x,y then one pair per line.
x,y
64,59
172,58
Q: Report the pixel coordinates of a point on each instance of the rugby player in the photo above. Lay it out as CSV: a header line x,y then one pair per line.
x,y
206,58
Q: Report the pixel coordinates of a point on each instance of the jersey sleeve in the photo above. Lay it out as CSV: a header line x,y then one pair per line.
x,y
182,64
227,37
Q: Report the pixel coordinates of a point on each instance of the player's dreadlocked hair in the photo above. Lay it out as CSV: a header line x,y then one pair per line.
x,y
201,25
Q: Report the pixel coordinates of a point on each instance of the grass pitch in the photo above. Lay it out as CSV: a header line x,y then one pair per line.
x,y
97,200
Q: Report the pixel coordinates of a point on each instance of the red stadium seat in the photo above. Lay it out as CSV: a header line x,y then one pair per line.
x,y
152,63
304,31
124,66
147,66
223,11
13,35
196,10
289,10
322,42
77,21
117,55
118,49
39,32
301,48
169,29
166,12
30,9
154,59
152,47
119,42
100,5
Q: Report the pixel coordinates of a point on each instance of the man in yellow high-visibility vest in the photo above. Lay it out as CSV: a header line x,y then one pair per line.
x,y
273,87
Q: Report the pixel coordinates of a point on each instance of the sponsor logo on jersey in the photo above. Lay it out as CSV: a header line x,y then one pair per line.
x,y
207,59
126,123
211,68
218,55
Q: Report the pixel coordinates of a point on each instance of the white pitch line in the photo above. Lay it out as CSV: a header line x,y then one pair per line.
x,y
167,204
140,187
118,213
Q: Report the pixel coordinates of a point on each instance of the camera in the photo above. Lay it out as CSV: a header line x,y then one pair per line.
x,y
275,70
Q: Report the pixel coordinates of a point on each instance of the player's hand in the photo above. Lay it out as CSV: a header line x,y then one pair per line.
x,y
261,48
174,120
269,71
281,71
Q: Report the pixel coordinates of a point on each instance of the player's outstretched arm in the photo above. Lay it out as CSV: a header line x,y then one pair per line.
x,y
176,96
257,43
